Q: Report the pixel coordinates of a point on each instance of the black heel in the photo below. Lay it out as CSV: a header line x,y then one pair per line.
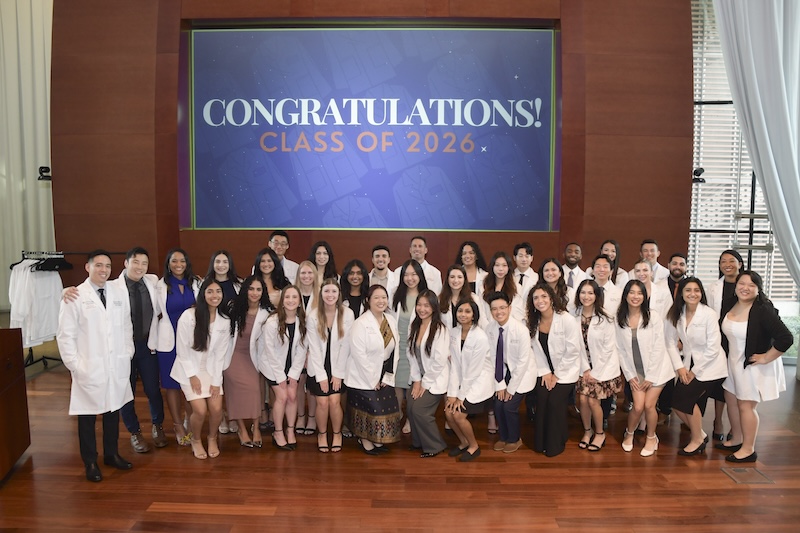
x,y
594,447
323,449
697,451
292,445
284,447
334,447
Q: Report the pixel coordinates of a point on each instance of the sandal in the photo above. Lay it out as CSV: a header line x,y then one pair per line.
x,y
346,433
336,448
215,452
301,428
309,430
326,448
184,440
594,447
201,454
583,444
492,422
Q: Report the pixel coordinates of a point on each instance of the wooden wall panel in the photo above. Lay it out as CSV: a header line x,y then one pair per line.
x,y
626,80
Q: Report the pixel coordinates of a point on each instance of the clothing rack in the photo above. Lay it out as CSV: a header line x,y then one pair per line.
x,y
47,261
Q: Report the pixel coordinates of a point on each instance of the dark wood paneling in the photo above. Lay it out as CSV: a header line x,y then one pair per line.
x,y
512,9
235,9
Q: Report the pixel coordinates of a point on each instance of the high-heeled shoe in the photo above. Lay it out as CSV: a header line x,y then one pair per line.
x,y
292,431
325,448
336,448
594,447
629,447
284,447
647,453
491,426
752,458
184,440
215,452
583,444
697,451
368,451
300,427
733,448
309,430
256,443
198,454
242,442
718,436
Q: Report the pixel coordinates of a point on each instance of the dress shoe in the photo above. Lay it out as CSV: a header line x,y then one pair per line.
x,y
467,457
138,443
370,451
697,451
733,448
381,449
511,447
93,472
224,428
628,447
426,455
499,445
647,453
117,462
718,436
752,458
456,451
159,438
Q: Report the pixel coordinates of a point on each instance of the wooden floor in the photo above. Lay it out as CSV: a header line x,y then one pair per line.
x,y
269,490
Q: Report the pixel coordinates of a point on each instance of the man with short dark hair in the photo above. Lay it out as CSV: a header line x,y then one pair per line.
x,y
515,369
279,243
573,274
649,252
381,274
677,271
95,340
525,276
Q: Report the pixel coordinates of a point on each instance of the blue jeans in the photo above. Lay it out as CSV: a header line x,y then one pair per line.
x,y
144,365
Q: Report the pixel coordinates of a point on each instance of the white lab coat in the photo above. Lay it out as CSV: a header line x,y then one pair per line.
x,y
602,342
96,345
276,350
150,281
165,333
702,349
660,298
714,295
290,269
612,297
340,347
658,368
530,279
471,367
218,352
392,279
567,352
518,356
447,316
365,364
436,365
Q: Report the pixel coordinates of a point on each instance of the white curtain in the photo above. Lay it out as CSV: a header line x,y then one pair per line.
x,y
761,48
26,205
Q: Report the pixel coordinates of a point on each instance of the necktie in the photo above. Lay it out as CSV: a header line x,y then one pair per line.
x,y
571,279
498,364
521,276
102,293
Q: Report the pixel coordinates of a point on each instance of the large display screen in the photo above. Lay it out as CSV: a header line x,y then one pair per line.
x,y
374,128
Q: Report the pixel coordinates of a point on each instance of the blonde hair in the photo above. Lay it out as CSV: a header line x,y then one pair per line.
x,y
322,323
314,285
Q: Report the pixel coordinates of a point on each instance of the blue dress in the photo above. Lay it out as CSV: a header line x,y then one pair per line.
x,y
177,303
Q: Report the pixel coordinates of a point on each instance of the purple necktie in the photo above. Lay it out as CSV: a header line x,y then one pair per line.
x,y
498,364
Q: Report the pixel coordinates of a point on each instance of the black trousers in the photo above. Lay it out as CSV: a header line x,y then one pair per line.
x,y
88,441
551,433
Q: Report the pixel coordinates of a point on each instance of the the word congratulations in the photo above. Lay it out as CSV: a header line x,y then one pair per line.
x,y
373,111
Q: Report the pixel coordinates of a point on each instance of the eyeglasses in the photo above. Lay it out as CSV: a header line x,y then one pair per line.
x,y
280,244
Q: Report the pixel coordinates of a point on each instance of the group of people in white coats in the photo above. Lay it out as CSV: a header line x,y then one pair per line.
x,y
356,348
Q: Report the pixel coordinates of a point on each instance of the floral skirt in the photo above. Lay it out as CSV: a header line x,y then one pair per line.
x,y
600,390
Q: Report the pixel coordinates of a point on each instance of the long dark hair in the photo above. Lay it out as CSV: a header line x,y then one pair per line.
x,y
435,326
623,311
240,305
232,276
613,262
202,316
447,293
480,262
345,282
402,288
281,314
534,315
330,266
188,274
561,285
490,281
736,255
277,276
674,313
599,299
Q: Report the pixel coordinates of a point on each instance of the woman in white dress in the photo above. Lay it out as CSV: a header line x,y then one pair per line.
x,y
203,345
754,338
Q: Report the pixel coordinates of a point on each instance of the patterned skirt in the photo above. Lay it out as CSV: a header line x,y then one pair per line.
x,y
374,414
600,390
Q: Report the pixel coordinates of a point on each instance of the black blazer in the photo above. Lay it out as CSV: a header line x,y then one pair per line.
x,y
765,329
